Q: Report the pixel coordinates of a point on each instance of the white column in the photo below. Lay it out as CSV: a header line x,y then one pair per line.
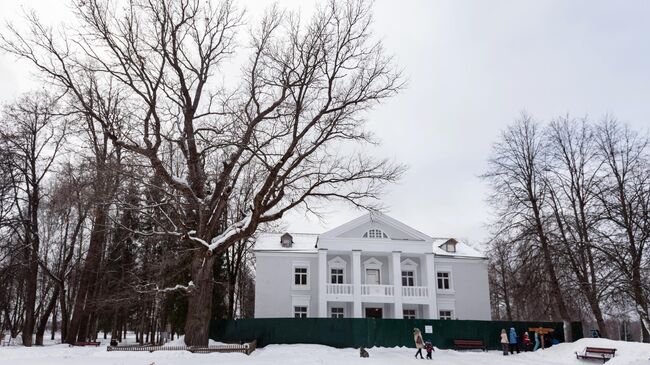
x,y
397,284
430,275
322,282
356,284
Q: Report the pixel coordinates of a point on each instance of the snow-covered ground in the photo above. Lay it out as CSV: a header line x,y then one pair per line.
x,y
629,353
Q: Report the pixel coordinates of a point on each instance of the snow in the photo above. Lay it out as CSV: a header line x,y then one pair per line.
x,y
462,249
302,242
629,353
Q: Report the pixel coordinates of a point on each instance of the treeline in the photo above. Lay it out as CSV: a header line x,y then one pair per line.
x,y
571,203
77,252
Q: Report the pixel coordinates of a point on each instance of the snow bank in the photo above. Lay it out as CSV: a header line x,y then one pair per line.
x,y
628,353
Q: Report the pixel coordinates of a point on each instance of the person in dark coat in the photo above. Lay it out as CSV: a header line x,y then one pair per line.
x,y
419,342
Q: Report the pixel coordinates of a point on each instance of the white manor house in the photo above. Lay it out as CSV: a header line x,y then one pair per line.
x,y
372,266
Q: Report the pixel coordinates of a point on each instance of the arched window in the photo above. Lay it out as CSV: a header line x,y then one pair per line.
x,y
375,233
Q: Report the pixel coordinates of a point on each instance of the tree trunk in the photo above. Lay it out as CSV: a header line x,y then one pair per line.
x,y
40,331
65,319
199,305
550,268
54,326
78,325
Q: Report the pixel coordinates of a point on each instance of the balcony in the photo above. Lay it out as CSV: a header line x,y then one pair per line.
x,y
339,289
378,290
415,291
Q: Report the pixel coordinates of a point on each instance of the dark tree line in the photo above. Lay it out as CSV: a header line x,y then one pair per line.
x,y
134,206
572,204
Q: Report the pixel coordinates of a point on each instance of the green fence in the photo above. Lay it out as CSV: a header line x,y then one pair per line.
x,y
368,332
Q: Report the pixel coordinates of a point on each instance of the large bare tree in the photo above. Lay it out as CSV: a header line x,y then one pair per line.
x,y
292,121
517,173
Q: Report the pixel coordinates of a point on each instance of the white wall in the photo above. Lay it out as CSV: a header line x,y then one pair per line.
x,y
471,288
273,284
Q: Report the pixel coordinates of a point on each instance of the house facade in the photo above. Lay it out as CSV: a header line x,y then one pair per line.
x,y
372,266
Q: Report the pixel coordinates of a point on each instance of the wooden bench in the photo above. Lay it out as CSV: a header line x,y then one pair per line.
x,y
597,353
86,344
469,345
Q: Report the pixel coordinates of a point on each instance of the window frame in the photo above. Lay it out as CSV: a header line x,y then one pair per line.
x,y
340,276
337,263
300,265
337,315
300,314
450,278
446,317
375,233
411,315
405,278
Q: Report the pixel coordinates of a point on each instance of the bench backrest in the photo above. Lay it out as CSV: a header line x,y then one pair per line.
x,y
600,350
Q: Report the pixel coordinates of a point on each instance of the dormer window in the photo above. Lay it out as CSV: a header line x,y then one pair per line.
x,y
375,233
286,240
449,245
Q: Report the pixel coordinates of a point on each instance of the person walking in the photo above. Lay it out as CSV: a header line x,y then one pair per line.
x,y
419,342
514,341
536,341
504,342
429,347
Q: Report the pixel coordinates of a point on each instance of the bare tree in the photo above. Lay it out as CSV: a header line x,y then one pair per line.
x,y
517,173
34,140
301,99
625,196
573,179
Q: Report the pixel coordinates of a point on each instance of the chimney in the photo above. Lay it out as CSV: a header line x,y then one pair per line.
x,y
286,240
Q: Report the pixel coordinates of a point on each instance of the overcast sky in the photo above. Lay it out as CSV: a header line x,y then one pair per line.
x,y
472,67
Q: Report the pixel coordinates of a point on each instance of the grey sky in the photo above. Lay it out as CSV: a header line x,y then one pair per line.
x,y
472,66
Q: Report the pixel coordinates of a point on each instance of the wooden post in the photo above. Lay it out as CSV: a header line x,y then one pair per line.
x,y
541,331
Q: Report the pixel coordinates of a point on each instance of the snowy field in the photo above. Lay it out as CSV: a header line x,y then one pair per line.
x,y
629,353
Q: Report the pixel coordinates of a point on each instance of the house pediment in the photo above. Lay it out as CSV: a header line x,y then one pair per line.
x,y
376,226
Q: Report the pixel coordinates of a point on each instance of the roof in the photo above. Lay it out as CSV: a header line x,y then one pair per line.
x,y
462,249
302,242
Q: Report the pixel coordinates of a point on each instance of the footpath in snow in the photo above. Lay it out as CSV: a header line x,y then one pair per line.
x,y
628,353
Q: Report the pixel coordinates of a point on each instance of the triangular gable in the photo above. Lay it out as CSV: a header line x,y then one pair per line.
x,y
394,229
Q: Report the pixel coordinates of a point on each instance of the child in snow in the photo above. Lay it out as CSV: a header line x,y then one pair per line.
x,y
429,347
504,342
526,342
419,343
514,343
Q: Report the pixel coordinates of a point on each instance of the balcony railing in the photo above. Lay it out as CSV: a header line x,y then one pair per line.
x,y
415,291
339,289
378,290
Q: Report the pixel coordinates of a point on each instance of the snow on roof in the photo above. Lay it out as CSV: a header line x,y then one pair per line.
x,y
302,242
462,249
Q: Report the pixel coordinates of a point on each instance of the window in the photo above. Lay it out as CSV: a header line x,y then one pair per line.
x,y
446,314
409,313
408,278
444,281
299,312
375,233
449,245
336,276
300,275
336,312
